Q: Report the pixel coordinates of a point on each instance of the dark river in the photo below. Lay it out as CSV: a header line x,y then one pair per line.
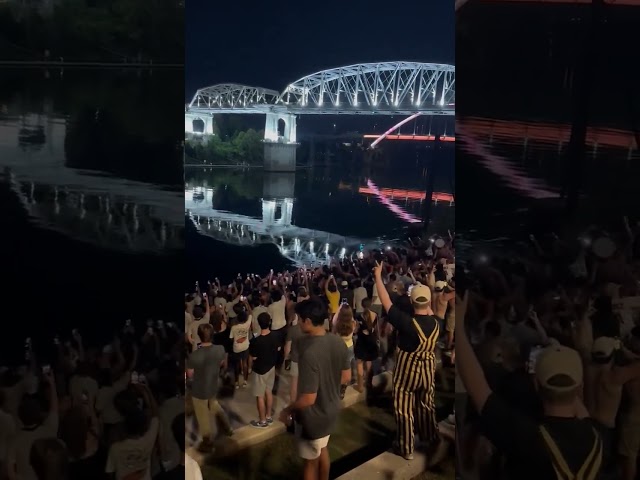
x,y
90,194
248,220
514,107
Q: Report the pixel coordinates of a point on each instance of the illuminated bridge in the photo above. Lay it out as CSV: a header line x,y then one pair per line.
x,y
385,88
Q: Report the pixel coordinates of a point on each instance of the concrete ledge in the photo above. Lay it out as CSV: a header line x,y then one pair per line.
x,y
388,466
248,436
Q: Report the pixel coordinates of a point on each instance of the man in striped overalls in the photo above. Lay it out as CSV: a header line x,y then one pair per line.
x,y
414,373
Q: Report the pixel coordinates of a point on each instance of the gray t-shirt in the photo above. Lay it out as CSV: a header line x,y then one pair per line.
x,y
321,362
293,334
205,363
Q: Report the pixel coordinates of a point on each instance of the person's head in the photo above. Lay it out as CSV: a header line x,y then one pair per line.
x,y
205,332
302,292
276,295
135,423
198,312
241,313
49,459
559,375
440,286
264,320
177,429
345,313
332,287
312,314
420,298
216,321
492,329
366,303
344,285
30,411
603,349
74,430
344,323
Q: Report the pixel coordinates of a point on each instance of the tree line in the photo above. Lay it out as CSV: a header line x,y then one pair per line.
x,y
148,31
244,147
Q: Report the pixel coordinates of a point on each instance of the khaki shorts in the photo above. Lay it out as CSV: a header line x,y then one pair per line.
x,y
293,371
629,438
309,449
260,384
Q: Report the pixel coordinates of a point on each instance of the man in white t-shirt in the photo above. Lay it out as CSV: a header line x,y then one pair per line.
x,y
359,294
260,308
240,333
33,429
376,303
277,312
132,456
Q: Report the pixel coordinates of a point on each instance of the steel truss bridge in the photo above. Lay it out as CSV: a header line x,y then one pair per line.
x,y
385,88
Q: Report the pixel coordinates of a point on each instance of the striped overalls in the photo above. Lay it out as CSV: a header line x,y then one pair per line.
x,y
414,391
590,468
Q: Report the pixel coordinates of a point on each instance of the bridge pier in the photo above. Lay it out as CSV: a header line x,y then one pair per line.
x,y
279,157
206,119
280,142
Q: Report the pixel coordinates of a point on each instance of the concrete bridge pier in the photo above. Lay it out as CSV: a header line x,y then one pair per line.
x,y
189,126
280,142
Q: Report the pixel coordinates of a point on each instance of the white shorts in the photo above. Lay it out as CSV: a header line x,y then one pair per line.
x,y
309,449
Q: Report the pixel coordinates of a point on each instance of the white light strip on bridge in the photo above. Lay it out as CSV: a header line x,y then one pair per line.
x,y
395,127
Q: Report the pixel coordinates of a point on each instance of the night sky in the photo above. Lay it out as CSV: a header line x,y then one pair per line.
x,y
274,43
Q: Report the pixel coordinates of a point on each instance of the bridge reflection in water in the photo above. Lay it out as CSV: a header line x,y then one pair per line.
x,y
103,220
275,225
298,245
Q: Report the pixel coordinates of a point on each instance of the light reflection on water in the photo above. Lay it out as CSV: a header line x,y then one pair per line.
x,y
311,215
91,206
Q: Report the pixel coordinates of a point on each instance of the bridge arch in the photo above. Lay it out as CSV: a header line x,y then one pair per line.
x,y
198,125
378,86
282,127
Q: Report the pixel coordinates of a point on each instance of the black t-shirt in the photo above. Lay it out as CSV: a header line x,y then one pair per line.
x,y
346,295
408,339
518,437
173,474
222,338
264,348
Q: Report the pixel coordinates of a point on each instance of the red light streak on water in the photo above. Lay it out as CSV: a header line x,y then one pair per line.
x,y
399,212
514,178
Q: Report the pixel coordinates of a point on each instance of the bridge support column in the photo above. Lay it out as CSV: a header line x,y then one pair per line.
x,y
280,128
280,142
206,119
279,157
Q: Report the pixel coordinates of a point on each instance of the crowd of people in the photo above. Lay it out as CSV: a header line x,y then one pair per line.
x,y
328,328
548,359
73,410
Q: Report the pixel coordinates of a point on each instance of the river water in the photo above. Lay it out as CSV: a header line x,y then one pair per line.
x,y
248,220
91,202
514,109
